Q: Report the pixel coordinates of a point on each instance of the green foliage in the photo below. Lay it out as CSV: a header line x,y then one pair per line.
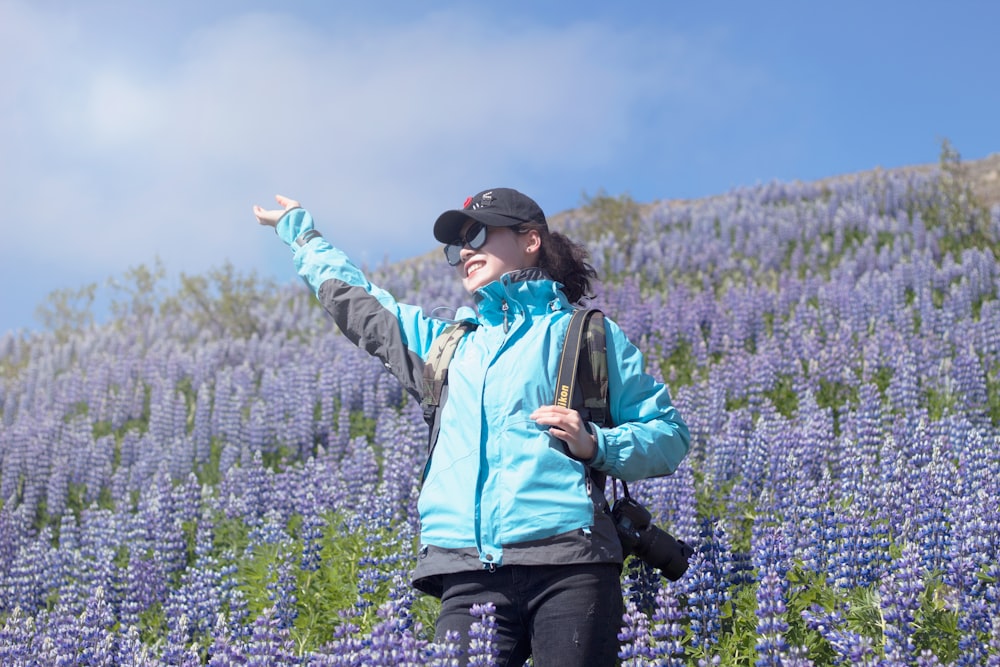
x,y
882,378
222,301
993,397
783,396
618,216
679,367
739,636
140,291
67,310
324,593
835,396
936,622
808,589
276,459
965,220
939,402
208,473
362,426
11,366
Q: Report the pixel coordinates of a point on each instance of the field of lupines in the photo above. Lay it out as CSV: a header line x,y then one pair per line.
x,y
218,477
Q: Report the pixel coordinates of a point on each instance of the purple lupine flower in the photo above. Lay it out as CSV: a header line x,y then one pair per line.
x,y
850,648
197,599
971,384
201,431
96,644
269,645
979,602
178,649
185,499
446,653
143,584
864,430
311,535
893,500
993,659
16,638
29,577
771,565
98,548
347,648
392,642
260,428
57,640
57,486
707,585
225,652
239,612
668,629
927,659
483,651
850,549
900,593
634,647
933,533
797,656
804,526
672,500
282,589
164,531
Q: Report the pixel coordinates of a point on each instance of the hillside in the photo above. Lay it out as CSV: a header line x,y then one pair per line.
x,y
218,476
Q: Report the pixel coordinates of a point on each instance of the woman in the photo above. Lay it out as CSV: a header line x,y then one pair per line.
x,y
508,513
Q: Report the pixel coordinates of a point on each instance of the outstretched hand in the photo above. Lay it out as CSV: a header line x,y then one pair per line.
x,y
270,217
568,426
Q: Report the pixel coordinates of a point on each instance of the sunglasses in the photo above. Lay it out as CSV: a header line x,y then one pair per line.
x,y
475,238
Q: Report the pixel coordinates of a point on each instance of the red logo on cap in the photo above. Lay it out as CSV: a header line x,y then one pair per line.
x,y
468,200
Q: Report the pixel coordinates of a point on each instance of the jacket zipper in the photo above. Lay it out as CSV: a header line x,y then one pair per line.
x,y
505,307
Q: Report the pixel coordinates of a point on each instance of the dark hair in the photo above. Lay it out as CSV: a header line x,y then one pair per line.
x,y
564,260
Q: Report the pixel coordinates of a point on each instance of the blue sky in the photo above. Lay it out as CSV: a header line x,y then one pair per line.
x,y
135,131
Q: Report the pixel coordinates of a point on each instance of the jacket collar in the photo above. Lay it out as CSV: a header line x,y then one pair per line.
x,y
528,290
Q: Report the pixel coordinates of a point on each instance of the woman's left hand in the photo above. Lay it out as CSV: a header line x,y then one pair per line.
x,y
568,426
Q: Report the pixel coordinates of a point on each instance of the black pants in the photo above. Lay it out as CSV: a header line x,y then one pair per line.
x,y
561,615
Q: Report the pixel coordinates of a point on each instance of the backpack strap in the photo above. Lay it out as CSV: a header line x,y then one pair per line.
x,y
436,379
436,367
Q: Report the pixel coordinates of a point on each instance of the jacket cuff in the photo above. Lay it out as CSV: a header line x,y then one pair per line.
x,y
293,224
600,447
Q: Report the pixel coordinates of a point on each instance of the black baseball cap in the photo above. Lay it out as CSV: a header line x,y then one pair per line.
x,y
498,207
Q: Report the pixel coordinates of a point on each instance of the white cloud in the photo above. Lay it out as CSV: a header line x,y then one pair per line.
x,y
375,127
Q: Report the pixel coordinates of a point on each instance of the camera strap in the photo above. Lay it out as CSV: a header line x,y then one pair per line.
x,y
589,372
583,365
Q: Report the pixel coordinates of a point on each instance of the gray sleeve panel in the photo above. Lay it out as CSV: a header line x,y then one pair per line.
x,y
373,328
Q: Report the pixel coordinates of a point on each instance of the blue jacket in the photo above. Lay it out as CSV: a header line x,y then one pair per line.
x,y
499,489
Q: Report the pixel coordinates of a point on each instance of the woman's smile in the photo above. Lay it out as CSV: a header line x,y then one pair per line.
x,y
474,266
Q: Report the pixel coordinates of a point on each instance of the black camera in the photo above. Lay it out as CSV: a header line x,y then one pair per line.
x,y
654,546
